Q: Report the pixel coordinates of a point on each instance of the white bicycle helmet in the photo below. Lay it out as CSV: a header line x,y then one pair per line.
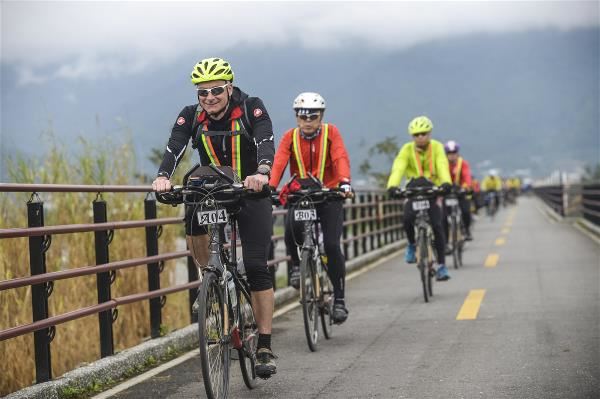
x,y
309,102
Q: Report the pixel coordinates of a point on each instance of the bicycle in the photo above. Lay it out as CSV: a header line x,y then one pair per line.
x,y
491,200
456,228
316,290
226,319
422,198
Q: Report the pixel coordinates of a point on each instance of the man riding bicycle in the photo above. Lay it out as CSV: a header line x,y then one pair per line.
x,y
460,172
492,184
229,128
317,148
422,161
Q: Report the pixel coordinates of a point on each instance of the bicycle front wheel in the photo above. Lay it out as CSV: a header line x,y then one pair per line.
x,y
423,257
214,347
249,332
454,235
309,300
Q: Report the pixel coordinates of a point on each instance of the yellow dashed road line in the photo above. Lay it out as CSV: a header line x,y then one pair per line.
x,y
500,241
470,307
506,230
491,260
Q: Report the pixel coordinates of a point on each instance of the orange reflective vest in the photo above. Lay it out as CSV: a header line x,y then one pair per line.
x,y
322,152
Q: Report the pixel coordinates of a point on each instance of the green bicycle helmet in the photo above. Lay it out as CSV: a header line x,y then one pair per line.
x,y
421,124
210,69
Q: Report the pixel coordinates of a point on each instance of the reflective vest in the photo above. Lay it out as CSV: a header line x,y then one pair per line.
x,y
235,133
429,156
322,152
458,171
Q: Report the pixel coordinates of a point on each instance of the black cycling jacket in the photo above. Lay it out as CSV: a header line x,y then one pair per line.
x,y
257,147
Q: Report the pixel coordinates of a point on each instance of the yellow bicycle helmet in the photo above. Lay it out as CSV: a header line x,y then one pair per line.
x,y
210,69
421,124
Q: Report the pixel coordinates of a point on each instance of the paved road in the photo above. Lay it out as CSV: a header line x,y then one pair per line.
x,y
536,333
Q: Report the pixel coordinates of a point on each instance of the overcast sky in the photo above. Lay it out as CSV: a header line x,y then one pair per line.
x,y
78,40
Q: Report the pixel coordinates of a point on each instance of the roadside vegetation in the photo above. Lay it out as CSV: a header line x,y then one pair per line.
x,y
77,342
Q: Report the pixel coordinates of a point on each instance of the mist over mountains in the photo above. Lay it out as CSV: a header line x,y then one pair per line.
x,y
525,100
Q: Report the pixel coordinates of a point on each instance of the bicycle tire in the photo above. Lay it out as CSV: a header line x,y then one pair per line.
x,y
214,348
309,300
326,305
249,336
461,244
423,263
454,235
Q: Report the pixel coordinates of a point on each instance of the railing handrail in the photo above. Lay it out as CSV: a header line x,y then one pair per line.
x,y
72,188
88,270
84,227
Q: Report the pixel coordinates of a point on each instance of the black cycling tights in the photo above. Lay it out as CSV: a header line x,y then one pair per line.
x,y
255,221
331,217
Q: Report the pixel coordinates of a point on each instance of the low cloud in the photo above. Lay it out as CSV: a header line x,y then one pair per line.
x,y
90,40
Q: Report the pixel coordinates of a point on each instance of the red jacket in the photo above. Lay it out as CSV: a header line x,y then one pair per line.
x,y
461,173
337,162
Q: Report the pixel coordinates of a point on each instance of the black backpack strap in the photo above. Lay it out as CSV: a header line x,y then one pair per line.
x,y
195,124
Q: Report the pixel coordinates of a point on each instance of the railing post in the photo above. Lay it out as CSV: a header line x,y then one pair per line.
x,y
363,225
379,217
104,279
354,228
154,269
193,275
40,293
386,207
372,212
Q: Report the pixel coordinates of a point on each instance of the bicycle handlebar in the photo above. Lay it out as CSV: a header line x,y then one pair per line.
x,y
428,192
228,193
315,195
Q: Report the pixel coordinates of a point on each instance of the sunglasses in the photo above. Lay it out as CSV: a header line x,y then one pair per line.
x,y
311,117
420,134
215,91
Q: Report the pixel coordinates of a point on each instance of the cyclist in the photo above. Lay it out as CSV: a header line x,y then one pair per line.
x,y
232,129
316,147
460,172
492,183
424,162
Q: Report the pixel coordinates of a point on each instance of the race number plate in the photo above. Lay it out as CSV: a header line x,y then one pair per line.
x,y
301,215
451,202
217,216
420,205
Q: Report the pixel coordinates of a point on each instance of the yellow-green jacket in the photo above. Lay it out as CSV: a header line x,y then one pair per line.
x,y
412,163
491,183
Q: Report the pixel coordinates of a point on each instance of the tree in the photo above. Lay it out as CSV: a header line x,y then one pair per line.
x,y
382,155
591,173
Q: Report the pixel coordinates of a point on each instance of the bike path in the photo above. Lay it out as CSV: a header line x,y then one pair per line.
x,y
536,333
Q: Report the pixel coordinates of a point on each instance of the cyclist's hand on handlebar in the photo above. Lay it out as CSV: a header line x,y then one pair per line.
x,y
346,188
161,184
394,192
256,182
446,187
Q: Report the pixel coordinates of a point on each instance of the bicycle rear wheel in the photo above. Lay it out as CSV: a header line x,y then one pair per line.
x,y
326,306
249,335
214,347
423,265
309,300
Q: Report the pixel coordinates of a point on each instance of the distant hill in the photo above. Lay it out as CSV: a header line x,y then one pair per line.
x,y
521,100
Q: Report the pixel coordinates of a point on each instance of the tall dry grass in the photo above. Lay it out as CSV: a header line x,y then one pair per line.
x,y
77,342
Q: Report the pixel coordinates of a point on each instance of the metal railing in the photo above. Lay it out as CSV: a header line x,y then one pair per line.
x,y
370,222
573,200
552,196
590,203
